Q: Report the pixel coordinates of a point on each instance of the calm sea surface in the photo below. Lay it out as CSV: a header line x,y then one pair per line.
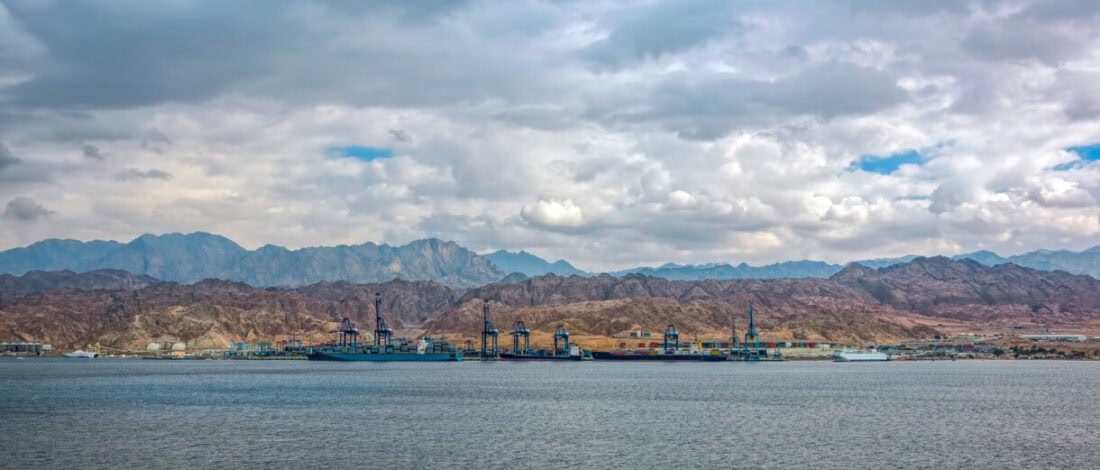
x,y
105,413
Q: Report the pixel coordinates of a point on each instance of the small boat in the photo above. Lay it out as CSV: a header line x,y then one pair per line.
x,y
78,354
852,355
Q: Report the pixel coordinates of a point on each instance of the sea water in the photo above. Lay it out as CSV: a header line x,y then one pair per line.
x,y
118,413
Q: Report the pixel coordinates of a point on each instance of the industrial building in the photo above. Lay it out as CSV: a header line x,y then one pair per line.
x,y
1057,338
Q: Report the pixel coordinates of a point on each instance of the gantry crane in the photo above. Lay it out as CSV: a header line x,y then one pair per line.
x,y
487,333
518,330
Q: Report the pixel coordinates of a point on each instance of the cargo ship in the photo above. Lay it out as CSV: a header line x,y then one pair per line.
x,y
850,355
575,353
385,348
652,354
426,350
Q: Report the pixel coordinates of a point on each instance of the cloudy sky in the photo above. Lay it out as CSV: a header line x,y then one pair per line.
x,y
609,133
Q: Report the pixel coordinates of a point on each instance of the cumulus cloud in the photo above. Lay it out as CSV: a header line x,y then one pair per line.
x,y
553,213
25,209
680,199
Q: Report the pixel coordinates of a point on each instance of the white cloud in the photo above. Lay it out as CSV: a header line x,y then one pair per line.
x,y
680,199
599,132
553,213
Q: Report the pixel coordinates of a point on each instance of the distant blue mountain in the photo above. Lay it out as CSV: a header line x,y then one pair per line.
x,y
197,256
531,265
884,262
987,258
789,269
1084,262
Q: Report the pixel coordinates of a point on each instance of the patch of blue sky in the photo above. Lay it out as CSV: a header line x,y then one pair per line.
x,y
888,164
1089,153
360,152
1085,153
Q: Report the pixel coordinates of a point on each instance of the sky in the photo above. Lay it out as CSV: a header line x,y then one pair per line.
x,y
612,134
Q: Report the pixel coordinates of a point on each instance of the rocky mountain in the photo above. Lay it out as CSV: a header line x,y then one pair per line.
x,y
967,290
531,265
212,313
197,256
1073,262
405,304
857,305
602,306
36,281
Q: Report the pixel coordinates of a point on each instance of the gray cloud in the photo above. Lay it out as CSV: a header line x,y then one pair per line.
x,y
1078,11
1004,42
6,157
313,53
92,152
400,135
25,209
132,175
89,44
57,125
707,107
660,29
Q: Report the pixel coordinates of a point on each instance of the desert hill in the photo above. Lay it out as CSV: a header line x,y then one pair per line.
x,y
858,305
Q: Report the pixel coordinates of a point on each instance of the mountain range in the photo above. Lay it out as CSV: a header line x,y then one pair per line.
x,y
1084,262
197,256
859,305
193,257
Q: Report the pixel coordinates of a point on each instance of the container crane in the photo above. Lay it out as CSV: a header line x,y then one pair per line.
x,y
348,334
751,353
563,335
751,336
520,329
672,335
488,332
382,332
